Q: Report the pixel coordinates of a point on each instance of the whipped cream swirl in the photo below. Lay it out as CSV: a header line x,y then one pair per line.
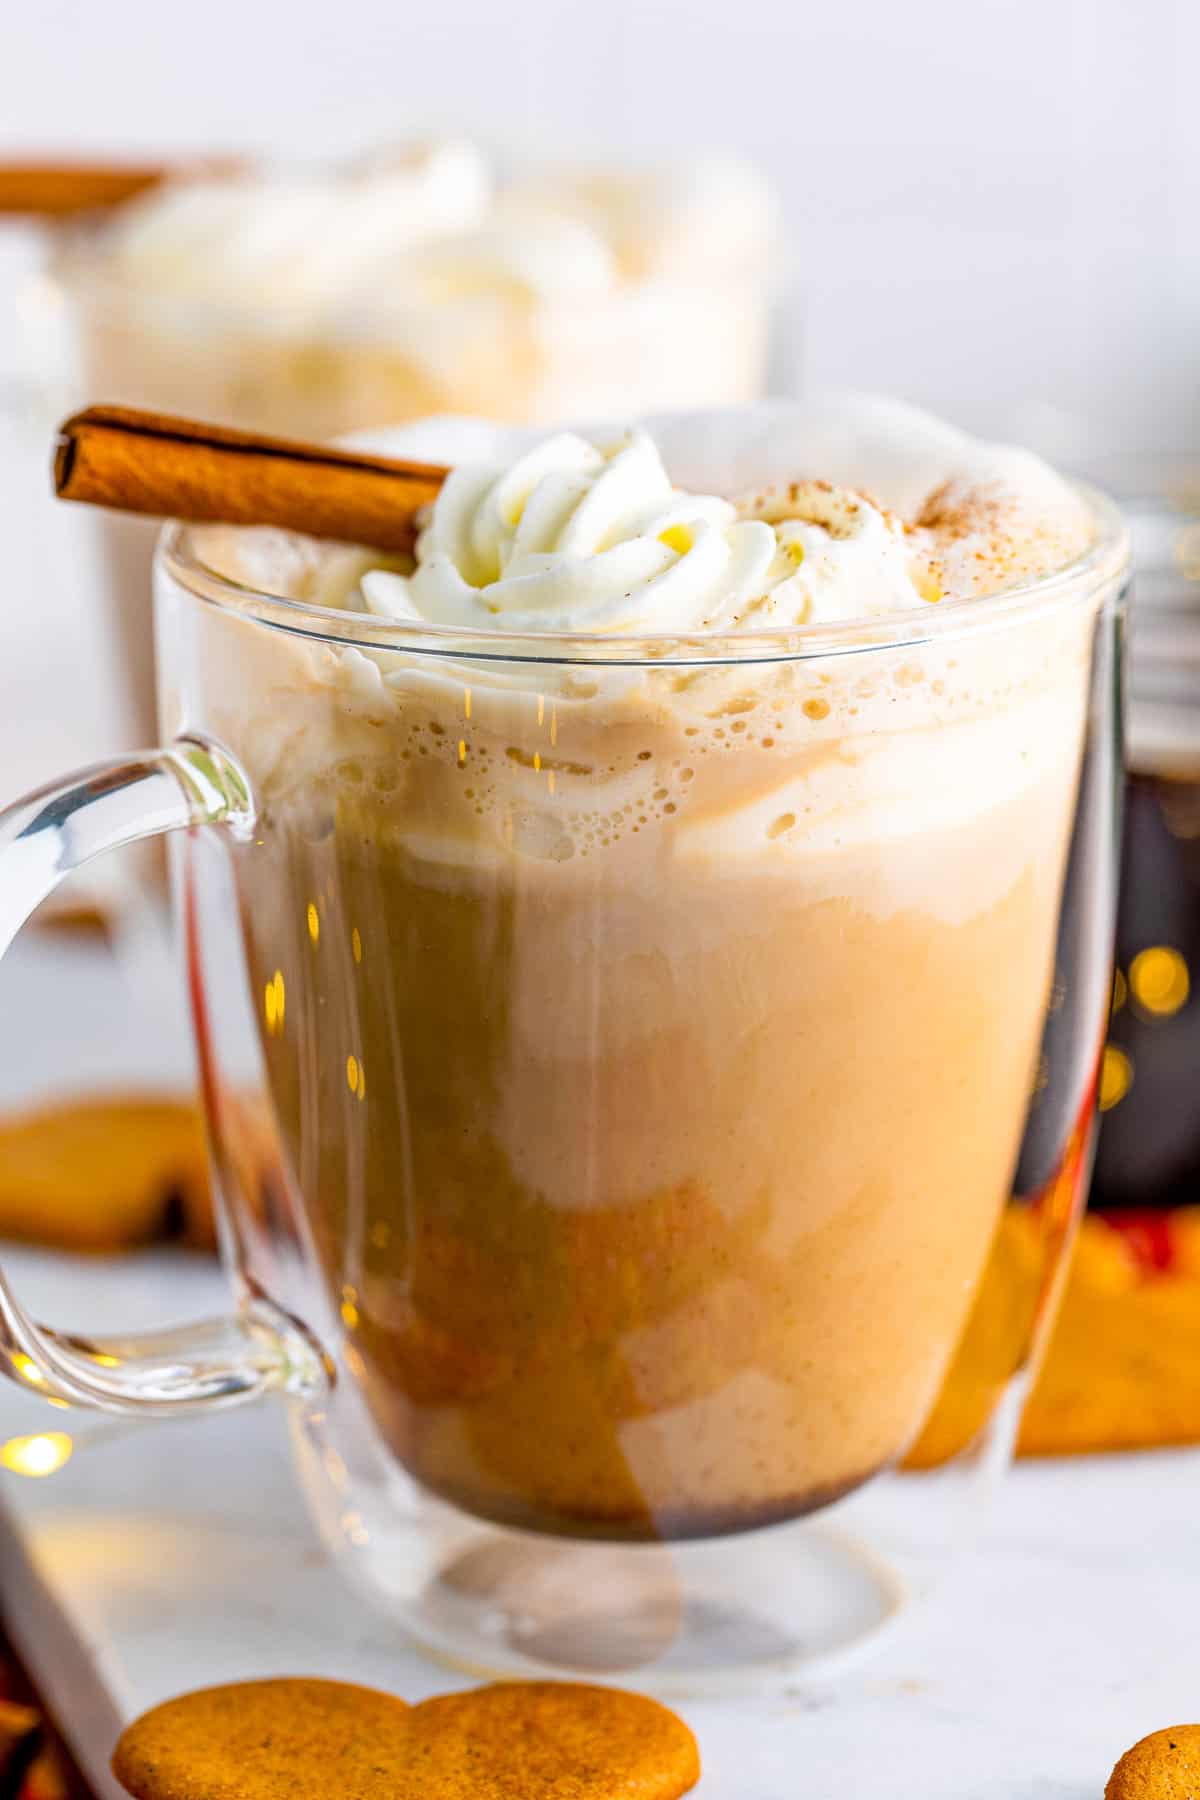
x,y
311,237
432,221
573,537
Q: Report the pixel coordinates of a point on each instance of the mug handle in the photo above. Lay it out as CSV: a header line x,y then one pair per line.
x,y
220,1362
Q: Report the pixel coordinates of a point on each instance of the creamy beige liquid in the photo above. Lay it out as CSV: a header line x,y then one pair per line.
x,y
652,1074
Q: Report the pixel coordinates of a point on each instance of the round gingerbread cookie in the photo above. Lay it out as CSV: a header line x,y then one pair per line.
x,y
260,1740
1163,1766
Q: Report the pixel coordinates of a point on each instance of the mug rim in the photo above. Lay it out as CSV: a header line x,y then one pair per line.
x,y
1106,562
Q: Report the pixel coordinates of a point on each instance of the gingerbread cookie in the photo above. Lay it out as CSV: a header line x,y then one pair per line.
x,y
257,1739
1120,1369
1163,1766
305,1740
104,1174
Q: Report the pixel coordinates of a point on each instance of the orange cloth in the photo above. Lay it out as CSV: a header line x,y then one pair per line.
x,y
1122,1369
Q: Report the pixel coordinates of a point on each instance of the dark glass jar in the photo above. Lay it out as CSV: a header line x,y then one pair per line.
x,y
1149,1146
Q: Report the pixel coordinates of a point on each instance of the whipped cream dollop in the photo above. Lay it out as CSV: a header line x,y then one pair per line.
x,y
589,533
574,537
312,237
433,222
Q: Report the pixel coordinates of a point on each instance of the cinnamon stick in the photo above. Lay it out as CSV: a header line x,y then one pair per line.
x,y
56,190
143,462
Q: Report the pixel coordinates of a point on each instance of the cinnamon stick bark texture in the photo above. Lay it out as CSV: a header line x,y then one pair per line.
x,y
175,469
57,190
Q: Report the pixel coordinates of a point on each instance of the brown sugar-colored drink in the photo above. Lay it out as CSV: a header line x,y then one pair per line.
x,y
654,1174
651,1047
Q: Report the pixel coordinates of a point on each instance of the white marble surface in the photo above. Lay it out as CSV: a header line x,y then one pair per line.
x,y
162,1558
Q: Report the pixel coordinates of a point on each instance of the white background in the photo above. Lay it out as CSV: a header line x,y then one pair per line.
x,y
994,204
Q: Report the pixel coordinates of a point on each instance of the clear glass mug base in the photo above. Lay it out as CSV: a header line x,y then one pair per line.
x,y
750,1611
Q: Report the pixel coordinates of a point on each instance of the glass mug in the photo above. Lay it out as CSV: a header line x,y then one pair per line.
x,y
650,1089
